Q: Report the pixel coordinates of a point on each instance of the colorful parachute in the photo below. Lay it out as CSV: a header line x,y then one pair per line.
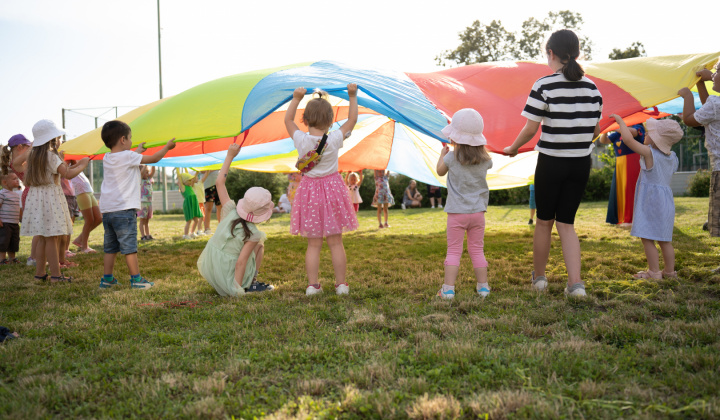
x,y
401,113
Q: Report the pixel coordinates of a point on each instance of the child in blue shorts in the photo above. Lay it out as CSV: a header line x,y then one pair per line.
x,y
532,204
120,200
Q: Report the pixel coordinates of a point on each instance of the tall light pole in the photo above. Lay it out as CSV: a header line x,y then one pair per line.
x,y
164,175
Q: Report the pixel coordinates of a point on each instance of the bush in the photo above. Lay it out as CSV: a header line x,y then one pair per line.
x,y
699,184
598,186
239,181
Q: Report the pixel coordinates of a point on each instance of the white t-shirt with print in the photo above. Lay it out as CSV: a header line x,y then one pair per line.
x,y
709,116
120,189
328,165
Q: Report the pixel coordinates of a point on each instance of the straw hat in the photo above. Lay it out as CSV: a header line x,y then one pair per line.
x,y
466,128
256,206
664,133
44,131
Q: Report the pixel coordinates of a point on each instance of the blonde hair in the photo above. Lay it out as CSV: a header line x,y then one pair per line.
x,y
37,169
352,176
318,112
471,155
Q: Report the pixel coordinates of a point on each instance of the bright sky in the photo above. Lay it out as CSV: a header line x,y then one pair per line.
x,y
102,53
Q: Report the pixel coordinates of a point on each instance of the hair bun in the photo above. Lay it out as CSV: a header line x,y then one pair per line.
x,y
320,94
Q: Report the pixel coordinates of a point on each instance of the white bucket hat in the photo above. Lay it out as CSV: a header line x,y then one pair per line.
x,y
664,133
44,131
466,128
256,206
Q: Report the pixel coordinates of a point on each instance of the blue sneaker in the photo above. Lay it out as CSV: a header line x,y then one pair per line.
x,y
450,294
104,284
483,292
141,284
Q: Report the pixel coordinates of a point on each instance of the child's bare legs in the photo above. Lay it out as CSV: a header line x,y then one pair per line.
x,y
451,273
93,219
651,253
146,224
385,210
432,201
481,275
130,259
63,243
47,249
259,252
187,226
571,251
532,214
379,214
668,253
141,227
34,246
208,214
312,260
339,259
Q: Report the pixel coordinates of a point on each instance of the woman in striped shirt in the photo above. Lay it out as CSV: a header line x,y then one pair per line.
x,y
568,106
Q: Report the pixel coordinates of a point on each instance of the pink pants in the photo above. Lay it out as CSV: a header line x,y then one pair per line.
x,y
474,225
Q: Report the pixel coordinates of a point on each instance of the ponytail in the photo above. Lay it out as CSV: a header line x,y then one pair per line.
x,y
5,159
246,229
566,46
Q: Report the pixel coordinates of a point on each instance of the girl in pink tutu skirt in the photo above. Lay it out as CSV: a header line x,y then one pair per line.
x,y
322,207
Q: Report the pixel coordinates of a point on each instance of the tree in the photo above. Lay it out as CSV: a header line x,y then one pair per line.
x,y
637,49
481,43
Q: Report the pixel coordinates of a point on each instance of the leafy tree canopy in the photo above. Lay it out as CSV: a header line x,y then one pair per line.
x,y
481,43
637,49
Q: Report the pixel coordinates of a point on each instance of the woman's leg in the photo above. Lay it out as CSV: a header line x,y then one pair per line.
x,y
312,260
668,253
571,251
339,259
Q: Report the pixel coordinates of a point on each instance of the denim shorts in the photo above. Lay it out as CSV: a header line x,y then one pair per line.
x,y
120,232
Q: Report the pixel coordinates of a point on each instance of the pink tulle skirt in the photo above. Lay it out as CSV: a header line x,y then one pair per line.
x,y
322,208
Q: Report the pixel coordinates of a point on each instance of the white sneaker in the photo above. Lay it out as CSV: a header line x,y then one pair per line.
x,y
439,206
432,207
342,289
539,283
208,232
402,206
577,290
192,236
199,233
31,261
312,290
186,237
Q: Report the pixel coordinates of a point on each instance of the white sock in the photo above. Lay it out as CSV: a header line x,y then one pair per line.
x,y
446,288
481,285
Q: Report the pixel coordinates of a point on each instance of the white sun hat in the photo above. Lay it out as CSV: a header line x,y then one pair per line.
x,y
466,128
44,131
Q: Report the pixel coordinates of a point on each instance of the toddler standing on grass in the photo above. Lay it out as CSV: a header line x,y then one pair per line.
x,y
467,200
322,207
146,196
353,181
9,219
231,259
120,200
191,208
654,210
383,197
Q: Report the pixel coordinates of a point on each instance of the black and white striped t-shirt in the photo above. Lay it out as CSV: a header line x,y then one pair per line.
x,y
568,111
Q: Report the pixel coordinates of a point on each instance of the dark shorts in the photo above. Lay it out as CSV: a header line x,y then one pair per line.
x,y
212,195
10,237
559,186
120,232
433,191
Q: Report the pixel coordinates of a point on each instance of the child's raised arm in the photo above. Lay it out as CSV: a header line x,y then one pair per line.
x,y
634,145
151,172
70,172
360,174
688,114
442,168
223,195
181,186
290,125
155,157
352,112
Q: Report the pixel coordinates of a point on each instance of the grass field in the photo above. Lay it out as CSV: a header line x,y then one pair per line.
x,y
632,348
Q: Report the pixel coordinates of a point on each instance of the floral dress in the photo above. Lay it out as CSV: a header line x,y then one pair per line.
x,y
382,189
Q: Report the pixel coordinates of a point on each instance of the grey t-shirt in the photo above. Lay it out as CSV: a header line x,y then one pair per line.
x,y
467,186
211,179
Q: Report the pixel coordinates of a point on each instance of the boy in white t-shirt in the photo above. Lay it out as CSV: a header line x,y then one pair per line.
x,y
120,200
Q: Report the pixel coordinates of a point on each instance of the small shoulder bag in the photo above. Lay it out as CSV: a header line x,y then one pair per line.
x,y
311,158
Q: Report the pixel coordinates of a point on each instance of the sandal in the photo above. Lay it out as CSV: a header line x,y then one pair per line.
x,y
15,261
381,226
6,261
647,274
68,264
43,278
671,275
60,279
386,226
88,251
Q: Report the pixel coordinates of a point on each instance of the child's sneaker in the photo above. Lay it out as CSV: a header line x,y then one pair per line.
x,y
483,292
402,205
577,289
5,262
31,261
439,206
342,289
258,286
105,284
141,284
539,282
208,232
199,233
450,294
313,290
186,237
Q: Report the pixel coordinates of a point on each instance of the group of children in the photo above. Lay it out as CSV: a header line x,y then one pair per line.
x,y
566,104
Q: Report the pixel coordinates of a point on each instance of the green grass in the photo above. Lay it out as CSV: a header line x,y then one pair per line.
x,y
633,348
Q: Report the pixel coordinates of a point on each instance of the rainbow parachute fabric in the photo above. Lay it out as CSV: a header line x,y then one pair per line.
x,y
401,114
